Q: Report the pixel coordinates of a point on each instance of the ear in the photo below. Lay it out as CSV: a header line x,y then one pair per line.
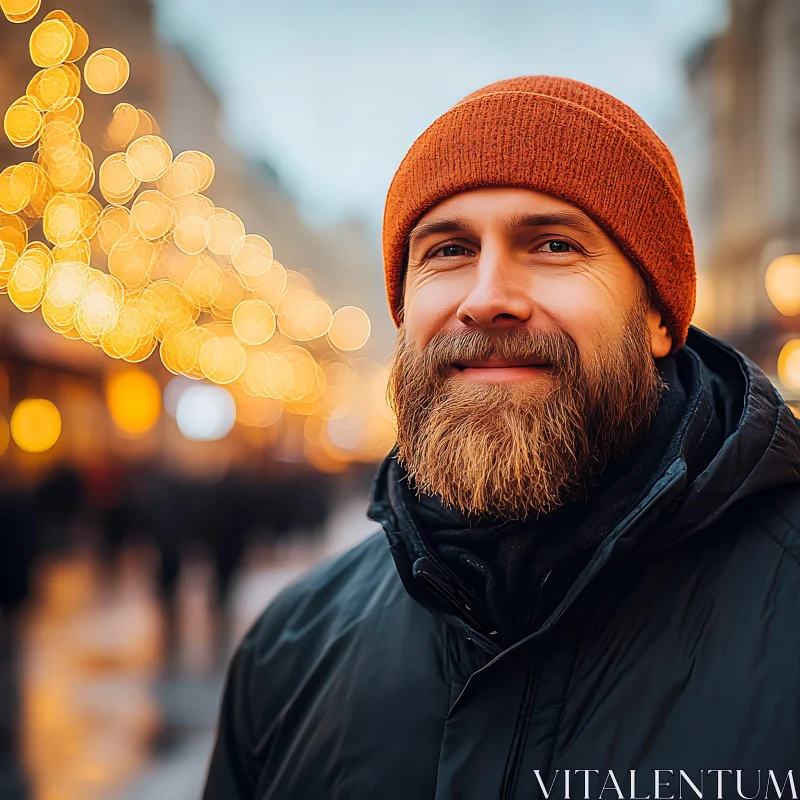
x,y
660,337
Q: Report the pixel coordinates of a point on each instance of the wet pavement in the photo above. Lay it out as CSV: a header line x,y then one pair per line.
x,y
113,703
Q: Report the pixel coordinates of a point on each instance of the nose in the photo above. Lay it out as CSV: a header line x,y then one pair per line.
x,y
499,295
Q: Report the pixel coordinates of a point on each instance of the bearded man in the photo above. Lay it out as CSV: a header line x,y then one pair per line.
x,y
588,574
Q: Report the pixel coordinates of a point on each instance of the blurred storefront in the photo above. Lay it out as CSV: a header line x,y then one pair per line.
x,y
744,187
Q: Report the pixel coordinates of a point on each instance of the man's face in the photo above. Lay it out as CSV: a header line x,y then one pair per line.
x,y
525,360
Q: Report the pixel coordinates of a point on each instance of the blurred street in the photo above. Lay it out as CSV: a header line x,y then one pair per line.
x,y
111,705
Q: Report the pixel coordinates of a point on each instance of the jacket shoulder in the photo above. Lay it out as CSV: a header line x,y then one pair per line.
x,y
777,513
330,594
310,621
284,657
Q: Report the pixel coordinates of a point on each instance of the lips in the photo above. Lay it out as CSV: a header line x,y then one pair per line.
x,y
496,363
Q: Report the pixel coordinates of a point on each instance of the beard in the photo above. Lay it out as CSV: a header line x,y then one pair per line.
x,y
508,450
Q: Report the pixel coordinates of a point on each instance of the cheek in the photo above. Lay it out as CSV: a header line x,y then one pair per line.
x,y
429,307
584,309
582,304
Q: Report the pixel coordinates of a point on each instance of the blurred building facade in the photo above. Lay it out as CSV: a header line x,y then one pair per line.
x,y
743,190
339,258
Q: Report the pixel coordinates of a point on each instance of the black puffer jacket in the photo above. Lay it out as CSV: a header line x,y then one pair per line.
x,y
675,646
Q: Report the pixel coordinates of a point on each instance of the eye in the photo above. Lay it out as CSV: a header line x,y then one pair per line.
x,y
451,251
557,246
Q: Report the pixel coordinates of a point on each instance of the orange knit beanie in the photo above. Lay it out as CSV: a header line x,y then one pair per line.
x,y
566,139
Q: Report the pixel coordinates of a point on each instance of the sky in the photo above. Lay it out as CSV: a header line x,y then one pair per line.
x,y
333,94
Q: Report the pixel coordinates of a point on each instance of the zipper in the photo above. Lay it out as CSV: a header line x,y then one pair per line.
x,y
514,761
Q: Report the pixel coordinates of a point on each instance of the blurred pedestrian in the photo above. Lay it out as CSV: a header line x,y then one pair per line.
x,y
56,501
17,555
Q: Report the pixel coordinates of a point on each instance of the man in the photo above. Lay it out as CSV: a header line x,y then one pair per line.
x,y
588,579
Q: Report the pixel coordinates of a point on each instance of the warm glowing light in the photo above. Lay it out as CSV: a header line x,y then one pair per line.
x,y
252,255
148,157
705,307
783,284
347,432
789,365
23,122
191,235
51,43
226,229
303,316
222,359
152,214
134,400
35,425
27,280
117,183
257,412
350,328
254,321
20,10
106,71
157,265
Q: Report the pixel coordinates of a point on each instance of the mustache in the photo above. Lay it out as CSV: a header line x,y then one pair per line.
x,y
548,346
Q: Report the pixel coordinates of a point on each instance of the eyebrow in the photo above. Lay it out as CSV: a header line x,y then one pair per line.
x,y
570,219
